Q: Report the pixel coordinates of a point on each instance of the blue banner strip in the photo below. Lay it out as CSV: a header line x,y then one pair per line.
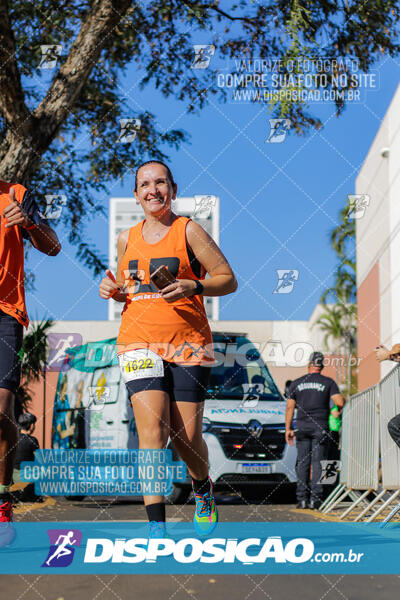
x,y
276,548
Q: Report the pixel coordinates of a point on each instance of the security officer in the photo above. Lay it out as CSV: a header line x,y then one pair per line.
x,y
311,395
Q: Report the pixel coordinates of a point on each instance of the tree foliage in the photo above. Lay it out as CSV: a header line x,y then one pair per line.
x,y
59,136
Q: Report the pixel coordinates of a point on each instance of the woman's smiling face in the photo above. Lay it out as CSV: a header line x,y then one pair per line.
x,y
154,189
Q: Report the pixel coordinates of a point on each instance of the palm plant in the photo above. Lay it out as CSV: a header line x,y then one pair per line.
x,y
344,288
339,321
33,356
343,235
330,322
338,324
34,350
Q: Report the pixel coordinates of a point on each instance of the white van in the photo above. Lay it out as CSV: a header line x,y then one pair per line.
x,y
243,424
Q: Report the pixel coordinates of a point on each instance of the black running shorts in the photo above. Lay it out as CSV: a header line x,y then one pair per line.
x,y
11,334
182,383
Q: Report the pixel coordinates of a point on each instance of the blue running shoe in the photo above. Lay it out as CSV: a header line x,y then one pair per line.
x,y
157,529
206,515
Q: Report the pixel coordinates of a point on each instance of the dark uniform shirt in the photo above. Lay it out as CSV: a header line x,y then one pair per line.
x,y
312,394
27,444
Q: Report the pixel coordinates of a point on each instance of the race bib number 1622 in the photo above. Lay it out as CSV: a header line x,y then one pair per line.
x,y
138,364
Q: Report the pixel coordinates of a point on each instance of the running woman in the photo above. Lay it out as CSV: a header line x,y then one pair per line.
x,y
19,219
166,333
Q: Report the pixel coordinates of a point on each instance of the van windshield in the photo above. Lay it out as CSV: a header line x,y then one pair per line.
x,y
240,373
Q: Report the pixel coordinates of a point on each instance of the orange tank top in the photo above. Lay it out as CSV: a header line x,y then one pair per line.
x,y
177,331
12,291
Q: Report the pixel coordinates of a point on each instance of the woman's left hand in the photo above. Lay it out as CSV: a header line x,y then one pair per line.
x,y
181,288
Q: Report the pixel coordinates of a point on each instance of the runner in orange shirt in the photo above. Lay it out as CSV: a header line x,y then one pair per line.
x,y
19,218
165,344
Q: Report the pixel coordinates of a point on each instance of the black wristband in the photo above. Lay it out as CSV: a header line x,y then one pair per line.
x,y
198,289
34,222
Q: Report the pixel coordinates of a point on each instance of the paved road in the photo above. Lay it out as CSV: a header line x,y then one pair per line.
x,y
185,587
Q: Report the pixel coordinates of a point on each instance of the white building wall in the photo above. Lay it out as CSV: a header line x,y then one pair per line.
x,y
378,231
372,228
394,215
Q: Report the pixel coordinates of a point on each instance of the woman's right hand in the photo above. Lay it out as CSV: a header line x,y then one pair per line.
x,y
382,353
108,286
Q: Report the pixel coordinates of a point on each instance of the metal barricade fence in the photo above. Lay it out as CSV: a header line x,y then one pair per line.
x,y
363,460
367,446
345,445
359,451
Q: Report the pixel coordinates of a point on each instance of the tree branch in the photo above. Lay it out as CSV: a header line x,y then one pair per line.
x,y
100,22
222,13
227,16
12,98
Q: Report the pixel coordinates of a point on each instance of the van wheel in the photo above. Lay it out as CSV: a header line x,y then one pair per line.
x,y
179,495
75,498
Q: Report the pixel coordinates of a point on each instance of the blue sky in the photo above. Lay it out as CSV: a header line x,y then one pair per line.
x,y
278,201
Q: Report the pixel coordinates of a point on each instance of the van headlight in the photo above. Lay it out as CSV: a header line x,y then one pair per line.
x,y
206,424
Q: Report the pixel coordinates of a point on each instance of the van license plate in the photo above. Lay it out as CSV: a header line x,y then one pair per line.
x,y
257,468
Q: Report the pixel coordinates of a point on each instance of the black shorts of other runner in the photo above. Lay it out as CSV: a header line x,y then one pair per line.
x,y
11,334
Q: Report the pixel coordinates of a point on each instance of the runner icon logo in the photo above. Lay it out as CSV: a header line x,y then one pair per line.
x,y
50,55
61,551
59,343
329,471
202,56
278,129
203,206
54,206
128,130
286,280
357,205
